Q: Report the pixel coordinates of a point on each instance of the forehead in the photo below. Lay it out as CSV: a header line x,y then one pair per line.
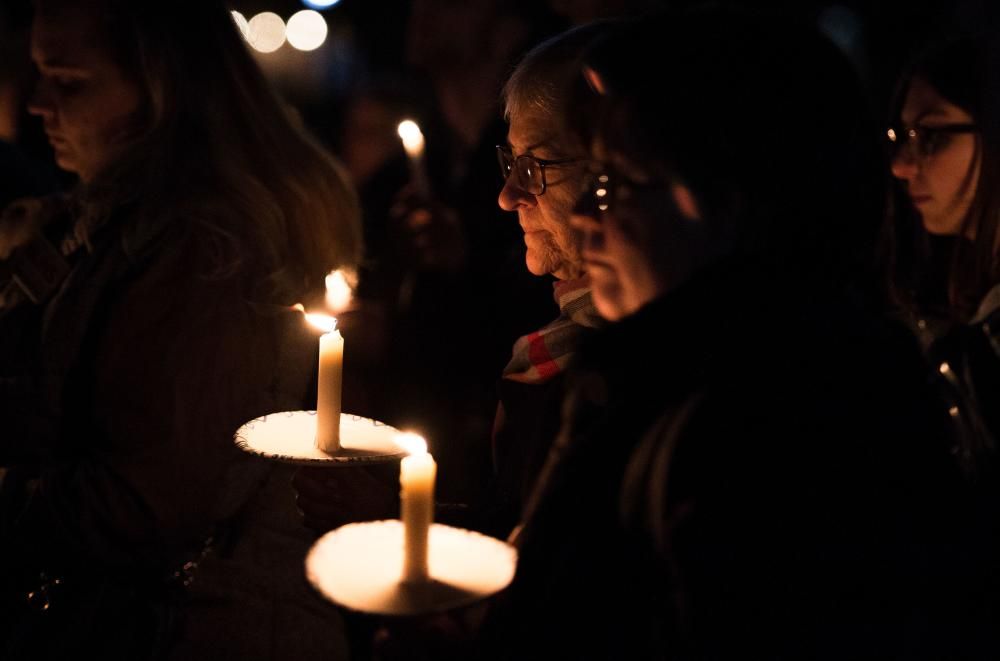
x,y
65,34
532,131
923,101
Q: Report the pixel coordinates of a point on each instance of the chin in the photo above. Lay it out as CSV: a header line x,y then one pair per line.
x,y
941,227
536,266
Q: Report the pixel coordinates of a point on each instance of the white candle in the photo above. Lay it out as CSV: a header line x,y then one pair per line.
x,y
413,142
331,371
416,480
331,362
331,374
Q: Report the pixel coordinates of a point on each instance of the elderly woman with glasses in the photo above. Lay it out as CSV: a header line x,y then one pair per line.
x,y
945,256
751,465
544,168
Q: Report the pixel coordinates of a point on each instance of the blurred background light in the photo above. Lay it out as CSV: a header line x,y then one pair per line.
x,y
241,23
266,32
320,4
306,30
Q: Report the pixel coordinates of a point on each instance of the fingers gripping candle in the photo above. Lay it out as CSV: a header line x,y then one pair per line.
x,y
417,473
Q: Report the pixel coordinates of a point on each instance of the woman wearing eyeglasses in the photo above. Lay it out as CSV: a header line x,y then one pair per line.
x,y
945,258
543,166
751,465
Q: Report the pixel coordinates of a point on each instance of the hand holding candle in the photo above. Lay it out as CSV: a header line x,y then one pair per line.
x,y
413,143
416,479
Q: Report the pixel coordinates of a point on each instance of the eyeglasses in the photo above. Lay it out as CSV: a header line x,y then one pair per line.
x,y
925,141
528,170
607,189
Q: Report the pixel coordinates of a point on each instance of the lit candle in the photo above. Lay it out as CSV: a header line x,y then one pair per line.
x,y
331,363
331,370
413,143
416,480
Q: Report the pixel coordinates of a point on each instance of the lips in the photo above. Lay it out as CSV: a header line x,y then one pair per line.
x,y
919,199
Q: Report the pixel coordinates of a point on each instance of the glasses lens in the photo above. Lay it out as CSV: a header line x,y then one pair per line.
x,y
923,141
596,197
601,187
901,140
932,141
529,175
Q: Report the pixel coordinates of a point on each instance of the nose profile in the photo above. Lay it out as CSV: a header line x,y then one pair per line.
x,y
39,103
904,165
513,197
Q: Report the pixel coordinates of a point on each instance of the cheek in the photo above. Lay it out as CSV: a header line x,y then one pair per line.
x,y
559,238
557,212
621,247
121,111
955,173
609,297
634,267
97,118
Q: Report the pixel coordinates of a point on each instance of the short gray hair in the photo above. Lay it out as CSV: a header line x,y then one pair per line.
x,y
542,80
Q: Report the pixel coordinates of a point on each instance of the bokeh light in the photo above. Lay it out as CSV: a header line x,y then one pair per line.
x,y
338,291
306,30
413,138
241,24
266,32
320,4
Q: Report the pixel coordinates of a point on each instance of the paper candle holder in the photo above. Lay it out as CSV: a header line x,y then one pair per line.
x,y
289,437
359,567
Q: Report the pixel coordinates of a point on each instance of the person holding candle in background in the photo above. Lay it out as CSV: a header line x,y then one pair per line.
x,y
201,216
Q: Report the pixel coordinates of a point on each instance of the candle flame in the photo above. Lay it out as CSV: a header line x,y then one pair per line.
x,y
412,137
411,442
338,291
323,322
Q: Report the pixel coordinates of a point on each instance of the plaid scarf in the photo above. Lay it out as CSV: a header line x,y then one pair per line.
x,y
539,356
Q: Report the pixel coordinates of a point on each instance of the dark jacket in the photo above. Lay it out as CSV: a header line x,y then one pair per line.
x,y
747,470
121,466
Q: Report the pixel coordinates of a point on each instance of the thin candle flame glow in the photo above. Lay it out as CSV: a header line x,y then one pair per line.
x,y
412,137
413,443
323,322
338,291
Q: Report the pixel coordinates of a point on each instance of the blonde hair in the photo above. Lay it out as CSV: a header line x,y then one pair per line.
x,y
215,147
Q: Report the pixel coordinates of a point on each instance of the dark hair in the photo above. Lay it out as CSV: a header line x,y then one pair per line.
x,y
215,147
955,67
765,121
